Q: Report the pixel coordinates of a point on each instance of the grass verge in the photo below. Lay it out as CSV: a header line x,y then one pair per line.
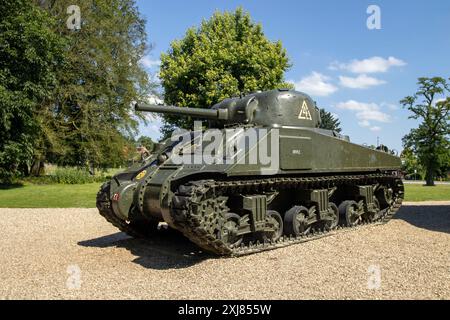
x,y
417,192
49,196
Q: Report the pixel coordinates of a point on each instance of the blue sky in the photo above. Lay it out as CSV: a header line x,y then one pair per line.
x,y
356,73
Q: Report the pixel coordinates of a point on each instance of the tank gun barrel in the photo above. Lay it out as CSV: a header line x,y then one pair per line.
x,y
217,114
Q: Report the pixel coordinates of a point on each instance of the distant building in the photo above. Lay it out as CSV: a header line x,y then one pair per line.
x,y
144,153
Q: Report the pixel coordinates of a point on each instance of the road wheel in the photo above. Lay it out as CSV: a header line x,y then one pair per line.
x,y
350,213
229,231
275,222
334,214
296,221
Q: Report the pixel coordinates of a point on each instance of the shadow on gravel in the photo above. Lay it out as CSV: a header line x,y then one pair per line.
x,y
164,250
434,218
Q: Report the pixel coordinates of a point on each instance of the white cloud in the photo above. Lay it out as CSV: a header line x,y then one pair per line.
x,y
316,84
375,128
148,62
360,82
364,123
156,126
375,115
151,99
365,112
369,65
154,99
439,100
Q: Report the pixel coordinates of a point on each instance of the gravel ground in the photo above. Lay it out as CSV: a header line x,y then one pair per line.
x,y
44,252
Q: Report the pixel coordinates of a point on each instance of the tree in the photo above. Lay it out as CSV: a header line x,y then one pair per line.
x,y
101,77
430,141
30,54
410,164
328,121
226,56
146,142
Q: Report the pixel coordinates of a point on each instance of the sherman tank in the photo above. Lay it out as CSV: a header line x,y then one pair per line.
x,y
263,176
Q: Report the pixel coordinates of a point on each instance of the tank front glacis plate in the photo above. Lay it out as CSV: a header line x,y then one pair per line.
x,y
124,185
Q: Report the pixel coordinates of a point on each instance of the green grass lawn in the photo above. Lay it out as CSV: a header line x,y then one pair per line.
x,y
417,192
50,196
83,195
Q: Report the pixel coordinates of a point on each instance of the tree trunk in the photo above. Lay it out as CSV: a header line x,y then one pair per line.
x,y
37,168
92,168
24,169
430,177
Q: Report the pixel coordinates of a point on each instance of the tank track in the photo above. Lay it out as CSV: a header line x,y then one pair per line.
x,y
191,220
103,203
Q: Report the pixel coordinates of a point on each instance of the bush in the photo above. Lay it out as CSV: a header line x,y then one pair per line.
x,y
35,180
65,175
69,175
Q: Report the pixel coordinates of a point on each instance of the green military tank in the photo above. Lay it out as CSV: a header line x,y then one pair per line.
x,y
306,182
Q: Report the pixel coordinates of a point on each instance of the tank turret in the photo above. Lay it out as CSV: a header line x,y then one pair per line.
x,y
273,108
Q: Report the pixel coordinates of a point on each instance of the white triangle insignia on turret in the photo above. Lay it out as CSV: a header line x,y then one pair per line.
x,y
304,112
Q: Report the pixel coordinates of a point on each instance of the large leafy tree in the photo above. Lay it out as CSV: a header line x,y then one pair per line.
x,y
30,53
146,142
225,56
410,164
101,78
329,121
430,141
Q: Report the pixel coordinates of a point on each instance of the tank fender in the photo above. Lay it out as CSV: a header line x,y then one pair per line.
x,y
122,199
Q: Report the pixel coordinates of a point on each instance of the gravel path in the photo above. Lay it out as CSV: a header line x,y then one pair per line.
x,y
75,253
